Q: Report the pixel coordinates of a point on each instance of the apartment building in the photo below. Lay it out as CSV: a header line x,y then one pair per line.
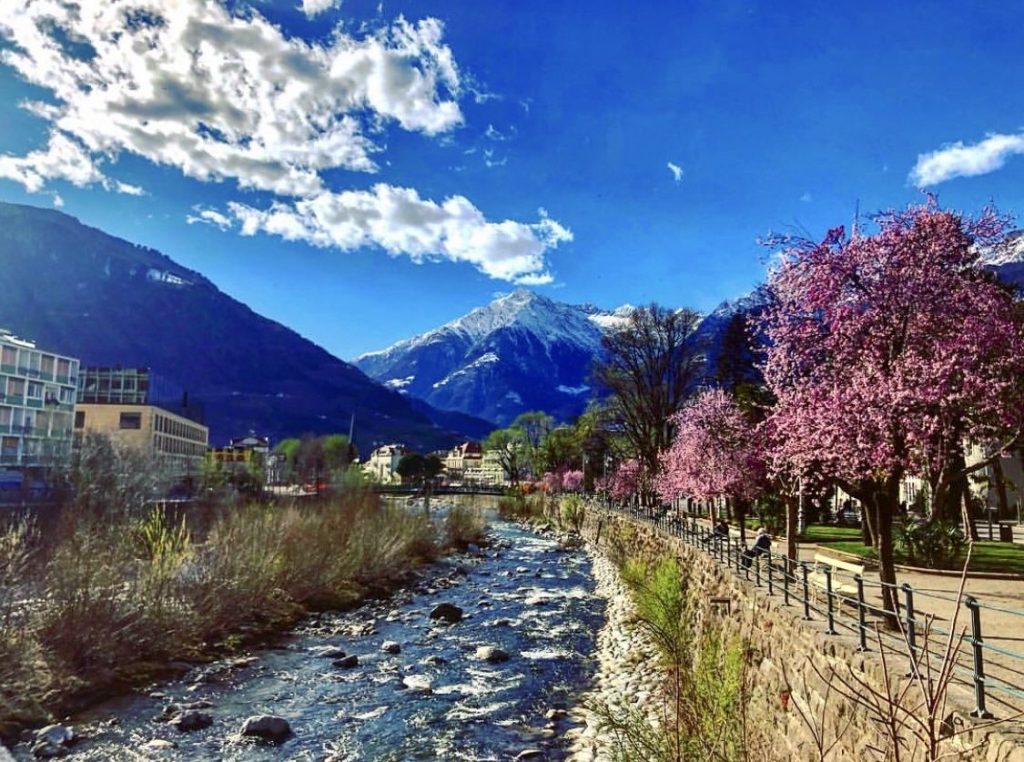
x,y
37,404
136,407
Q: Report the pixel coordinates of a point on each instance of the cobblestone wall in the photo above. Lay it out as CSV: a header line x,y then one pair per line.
x,y
788,654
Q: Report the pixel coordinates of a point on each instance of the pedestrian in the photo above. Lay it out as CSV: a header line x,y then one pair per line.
x,y
762,545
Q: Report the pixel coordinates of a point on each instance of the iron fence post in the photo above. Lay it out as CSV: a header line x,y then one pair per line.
x,y
862,629
807,591
908,604
829,608
785,578
771,582
978,645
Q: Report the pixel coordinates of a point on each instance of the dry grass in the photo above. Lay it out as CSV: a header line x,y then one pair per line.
x,y
79,614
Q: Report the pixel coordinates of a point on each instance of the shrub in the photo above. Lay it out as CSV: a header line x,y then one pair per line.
x,y
572,512
937,545
463,526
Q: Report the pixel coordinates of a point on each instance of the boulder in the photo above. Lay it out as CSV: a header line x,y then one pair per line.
x,y
492,654
529,754
52,741
328,652
391,647
417,683
348,662
268,727
449,612
191,720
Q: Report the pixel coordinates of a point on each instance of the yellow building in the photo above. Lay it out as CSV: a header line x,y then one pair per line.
x,y
180,442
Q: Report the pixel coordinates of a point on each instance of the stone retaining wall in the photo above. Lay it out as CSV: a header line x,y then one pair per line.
x,y
785,650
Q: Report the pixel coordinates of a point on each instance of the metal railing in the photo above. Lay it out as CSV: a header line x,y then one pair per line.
x,y
848,604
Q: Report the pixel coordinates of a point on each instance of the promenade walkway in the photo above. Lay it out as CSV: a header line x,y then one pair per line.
x,y
989,674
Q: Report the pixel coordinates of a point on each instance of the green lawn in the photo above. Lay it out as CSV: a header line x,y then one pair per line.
x,y
1001,557
830,533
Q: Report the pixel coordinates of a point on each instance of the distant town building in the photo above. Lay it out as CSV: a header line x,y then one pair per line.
x,y
382,465
37,404
250,452
466,465
462,462
137,407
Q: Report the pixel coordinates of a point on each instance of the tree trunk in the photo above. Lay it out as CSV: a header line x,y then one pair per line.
x,y
886,499
970,528
868,524
791,547
1000,483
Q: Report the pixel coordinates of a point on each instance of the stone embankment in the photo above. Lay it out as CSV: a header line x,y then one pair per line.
x,y
627,674
790,657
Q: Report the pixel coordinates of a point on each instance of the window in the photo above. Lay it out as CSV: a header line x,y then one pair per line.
x,y
10,356
35,390
131,421
79,419
15,387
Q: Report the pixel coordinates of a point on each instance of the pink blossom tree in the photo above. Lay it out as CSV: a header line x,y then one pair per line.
x,y
627,480
572,481
715,453
886,352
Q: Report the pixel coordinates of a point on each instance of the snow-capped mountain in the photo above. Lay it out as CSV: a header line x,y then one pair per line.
x,y
521,352
1007,259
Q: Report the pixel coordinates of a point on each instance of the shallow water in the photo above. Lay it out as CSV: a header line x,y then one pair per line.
x,y
524,596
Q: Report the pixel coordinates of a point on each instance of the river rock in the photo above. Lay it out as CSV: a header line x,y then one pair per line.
x,y
473,548
157,746
417,683
191,720
449,612
269,727
391,647
52,741
529,754
347,662
492,654
328,652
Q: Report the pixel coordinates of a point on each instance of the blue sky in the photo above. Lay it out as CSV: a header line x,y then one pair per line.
x,y
496,143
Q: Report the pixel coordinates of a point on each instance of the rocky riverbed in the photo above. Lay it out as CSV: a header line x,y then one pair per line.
x,y
627,673
480,661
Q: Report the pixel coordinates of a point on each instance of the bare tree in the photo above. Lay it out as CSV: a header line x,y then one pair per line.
x,y
652,364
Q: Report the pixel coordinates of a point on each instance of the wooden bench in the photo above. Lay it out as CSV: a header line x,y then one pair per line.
x,y
818,582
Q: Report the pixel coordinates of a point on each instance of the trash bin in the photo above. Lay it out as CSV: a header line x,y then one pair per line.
x,y
1005,532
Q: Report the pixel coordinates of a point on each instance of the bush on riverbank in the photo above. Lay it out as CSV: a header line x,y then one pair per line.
x,y
520,507
463,526
706,711
86,611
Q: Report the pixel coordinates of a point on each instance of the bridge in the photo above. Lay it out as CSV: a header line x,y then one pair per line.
x,y
415,491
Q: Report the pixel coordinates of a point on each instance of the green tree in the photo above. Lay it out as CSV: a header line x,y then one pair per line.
x,y
512,449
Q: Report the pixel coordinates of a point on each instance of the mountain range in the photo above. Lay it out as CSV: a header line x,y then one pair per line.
x,y
81,292
523,351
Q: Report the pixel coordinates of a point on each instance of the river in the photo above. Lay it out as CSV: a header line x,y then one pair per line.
x,y
524,595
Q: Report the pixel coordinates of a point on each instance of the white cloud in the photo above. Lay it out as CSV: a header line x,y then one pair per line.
x,y
677,172
313,7
209,217
402,223
62,159
219,95
959,160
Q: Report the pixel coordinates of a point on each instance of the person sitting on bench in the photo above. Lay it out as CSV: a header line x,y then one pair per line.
x,y
719,533
762,544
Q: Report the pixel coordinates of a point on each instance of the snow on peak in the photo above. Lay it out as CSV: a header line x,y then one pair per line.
x,y
1008,252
